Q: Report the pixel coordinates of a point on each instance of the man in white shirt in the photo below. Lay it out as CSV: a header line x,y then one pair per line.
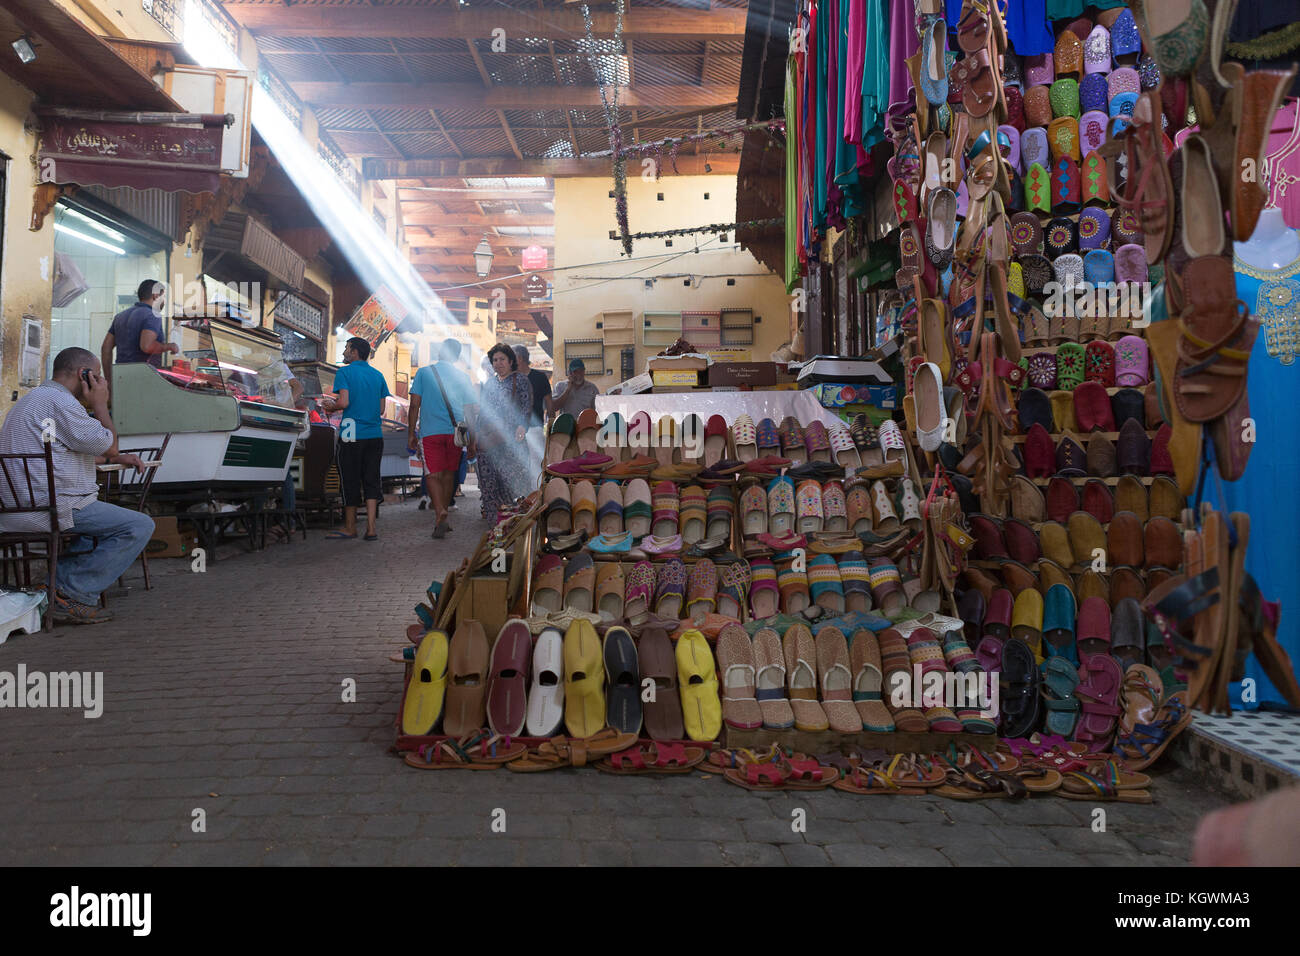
x,y
56,411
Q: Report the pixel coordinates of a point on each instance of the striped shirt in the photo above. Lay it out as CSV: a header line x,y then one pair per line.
x,y
77,439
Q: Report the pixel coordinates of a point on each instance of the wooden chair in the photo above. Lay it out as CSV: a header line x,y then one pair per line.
x,y
134,494
19,491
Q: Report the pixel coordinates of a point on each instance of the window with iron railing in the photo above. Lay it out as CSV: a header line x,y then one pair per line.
x,y
340,165
168,13
283,97
208,22
302,315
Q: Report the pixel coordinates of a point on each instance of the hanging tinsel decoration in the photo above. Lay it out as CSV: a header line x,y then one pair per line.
x,y
611,116
717,228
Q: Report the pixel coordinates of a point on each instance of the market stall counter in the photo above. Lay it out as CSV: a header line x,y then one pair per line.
x,y
225,408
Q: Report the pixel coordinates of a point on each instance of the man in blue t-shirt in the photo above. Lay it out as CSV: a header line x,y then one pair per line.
x,y
438,427
360,391
137,332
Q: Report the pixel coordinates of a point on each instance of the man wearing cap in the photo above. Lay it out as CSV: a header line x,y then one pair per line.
x,y
577,394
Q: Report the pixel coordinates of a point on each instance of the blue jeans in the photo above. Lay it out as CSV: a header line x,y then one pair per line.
x,y
122,534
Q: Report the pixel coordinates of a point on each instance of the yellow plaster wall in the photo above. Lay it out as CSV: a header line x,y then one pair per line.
x,y
26,272
121,18
584,215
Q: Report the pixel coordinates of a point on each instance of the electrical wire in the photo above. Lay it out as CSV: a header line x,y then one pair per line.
x,y
670,256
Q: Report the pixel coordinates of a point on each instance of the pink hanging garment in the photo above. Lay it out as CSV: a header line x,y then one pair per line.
x,y
854,64
1282,165
903,42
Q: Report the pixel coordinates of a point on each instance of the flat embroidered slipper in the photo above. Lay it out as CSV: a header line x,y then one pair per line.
x,y
816,442
855,580
745,437
609,508
666,507
781,506
734,584
793,585
753,510
692,518
846,453
721,510
834,508
825,584
670,588
639,596
702,589
809,504
792,441
638,508
764,591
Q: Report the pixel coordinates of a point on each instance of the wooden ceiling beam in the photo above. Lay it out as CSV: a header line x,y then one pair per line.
x,y
458,96
445,135
432,249
415,207
411,194
426,218
451,167
310,20
429,257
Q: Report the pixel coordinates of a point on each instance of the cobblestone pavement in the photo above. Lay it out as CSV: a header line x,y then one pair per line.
x,y
223,694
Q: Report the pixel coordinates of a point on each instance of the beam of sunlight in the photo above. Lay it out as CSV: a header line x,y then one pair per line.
x,y
376,260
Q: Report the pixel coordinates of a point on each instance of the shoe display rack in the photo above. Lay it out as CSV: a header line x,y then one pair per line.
x,y
745,597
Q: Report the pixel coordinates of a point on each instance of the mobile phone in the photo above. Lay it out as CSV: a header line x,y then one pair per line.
x,y
85,377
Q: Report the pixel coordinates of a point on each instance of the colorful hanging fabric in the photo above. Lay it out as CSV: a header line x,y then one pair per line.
x,y
792,223
876,77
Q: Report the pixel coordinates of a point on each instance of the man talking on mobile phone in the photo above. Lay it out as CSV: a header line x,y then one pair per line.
x,y
70,410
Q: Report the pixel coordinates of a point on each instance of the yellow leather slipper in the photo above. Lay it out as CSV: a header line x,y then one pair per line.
x,y
697,681
584,680
1185,443
1027,621
427,689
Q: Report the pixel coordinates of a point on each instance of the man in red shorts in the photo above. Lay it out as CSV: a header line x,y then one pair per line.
x,y
439,396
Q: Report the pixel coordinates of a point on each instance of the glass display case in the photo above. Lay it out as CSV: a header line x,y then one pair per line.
x,y
224,399
317,378
246,364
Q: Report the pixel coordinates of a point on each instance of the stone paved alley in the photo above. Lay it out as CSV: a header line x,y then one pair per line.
x,y
223,693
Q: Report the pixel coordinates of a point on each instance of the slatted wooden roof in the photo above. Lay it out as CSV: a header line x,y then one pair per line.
x,y
498,97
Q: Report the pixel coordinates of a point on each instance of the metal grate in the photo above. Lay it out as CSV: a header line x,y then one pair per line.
x,y
218,21
283,97
297,313
167,13
340,165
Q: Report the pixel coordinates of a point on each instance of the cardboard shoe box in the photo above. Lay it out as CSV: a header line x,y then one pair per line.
x,y
752,374
169,540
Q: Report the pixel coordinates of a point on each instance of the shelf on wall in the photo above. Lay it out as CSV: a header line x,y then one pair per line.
x,y
737,327
660,329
